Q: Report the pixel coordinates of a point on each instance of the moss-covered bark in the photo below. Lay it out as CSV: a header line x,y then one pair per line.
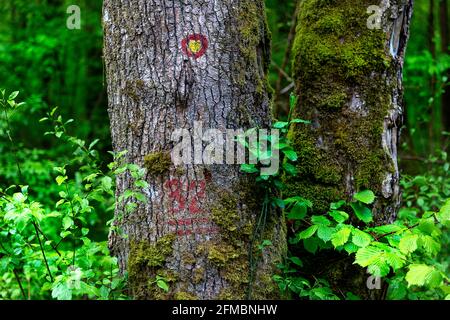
x,y
349,84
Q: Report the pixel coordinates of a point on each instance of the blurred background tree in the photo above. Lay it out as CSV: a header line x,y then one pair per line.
x,y
54,66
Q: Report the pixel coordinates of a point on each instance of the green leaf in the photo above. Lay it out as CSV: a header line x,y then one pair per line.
x,y
366,196
141,184
106,183
430,245
325,233
13,95
443,215
163,285
423,275
341,237
337,205
60,180
397,290
311,245
301,121
379,268
67,222
280,125
368,255
408,243
290,169
296,261
19,198
427,225
62,292
249,168
93,143
292,100
298,199
390,228
339,216
298,211
320,220
362,212
291,155
395,260
361,238
351,248
308,233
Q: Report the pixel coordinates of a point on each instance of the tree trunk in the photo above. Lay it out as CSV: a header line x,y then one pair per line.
x,y
348,73
171,64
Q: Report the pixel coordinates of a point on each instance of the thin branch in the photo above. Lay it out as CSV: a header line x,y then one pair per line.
x,y
42,250
20,283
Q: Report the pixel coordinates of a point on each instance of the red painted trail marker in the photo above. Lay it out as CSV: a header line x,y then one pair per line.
x,y
194,45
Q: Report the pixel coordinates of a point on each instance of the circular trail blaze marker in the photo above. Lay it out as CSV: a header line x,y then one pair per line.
x,y
195,45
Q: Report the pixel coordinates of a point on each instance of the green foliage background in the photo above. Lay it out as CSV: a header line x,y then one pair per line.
x,y
54,66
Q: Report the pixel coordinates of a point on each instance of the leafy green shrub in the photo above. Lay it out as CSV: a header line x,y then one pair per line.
x,y
48,250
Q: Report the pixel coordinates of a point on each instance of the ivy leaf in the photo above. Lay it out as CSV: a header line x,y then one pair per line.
x,y
361,238
308,233
423,275
408,243
341,237
362,212
366,196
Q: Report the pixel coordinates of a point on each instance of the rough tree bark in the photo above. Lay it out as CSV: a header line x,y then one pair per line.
x,y
348,73
170,64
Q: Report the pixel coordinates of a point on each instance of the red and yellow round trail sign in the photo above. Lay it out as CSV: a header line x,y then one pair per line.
x,y
195,45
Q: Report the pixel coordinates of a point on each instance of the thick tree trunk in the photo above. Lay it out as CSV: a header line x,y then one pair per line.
x,y
170,64
348,72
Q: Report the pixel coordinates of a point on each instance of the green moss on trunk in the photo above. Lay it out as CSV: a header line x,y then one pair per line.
x,y
157,163
145,262
340,68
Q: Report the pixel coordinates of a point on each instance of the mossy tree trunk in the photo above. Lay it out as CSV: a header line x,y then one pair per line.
x,y
348,73
170,64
